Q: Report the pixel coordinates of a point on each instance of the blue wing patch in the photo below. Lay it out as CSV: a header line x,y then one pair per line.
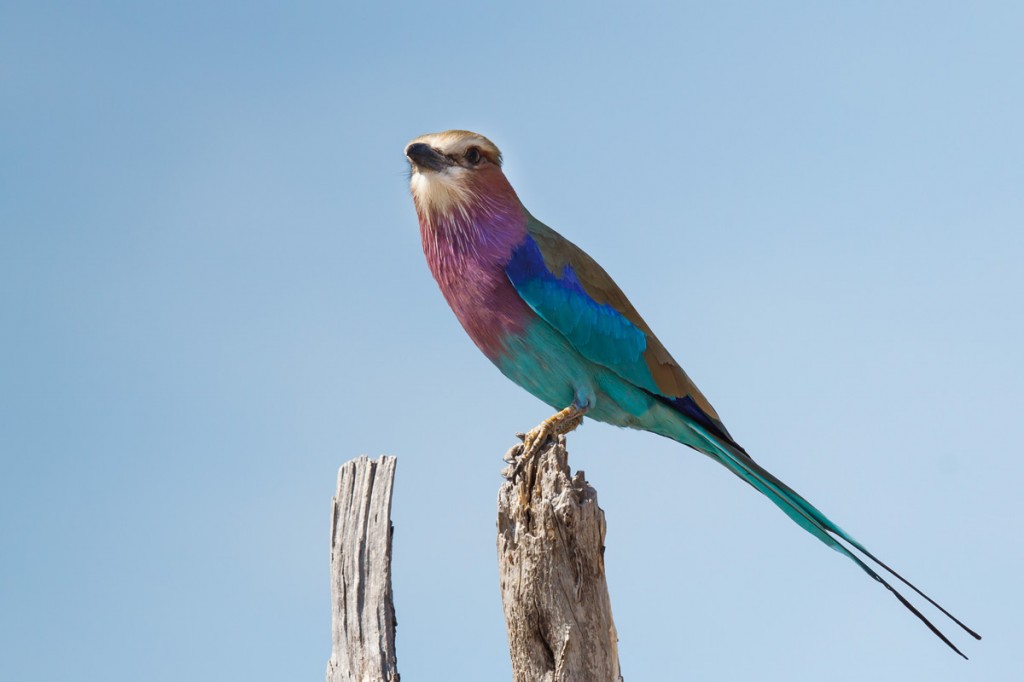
x,y
598,331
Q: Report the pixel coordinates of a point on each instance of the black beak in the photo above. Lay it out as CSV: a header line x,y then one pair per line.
x,y
425,156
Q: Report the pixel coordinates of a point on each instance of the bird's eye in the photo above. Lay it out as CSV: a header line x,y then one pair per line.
x,y
473,156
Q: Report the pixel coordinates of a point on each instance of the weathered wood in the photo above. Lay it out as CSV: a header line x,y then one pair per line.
x,y
551,560
362,609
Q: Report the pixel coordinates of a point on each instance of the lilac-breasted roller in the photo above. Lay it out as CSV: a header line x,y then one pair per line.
x,y
555,323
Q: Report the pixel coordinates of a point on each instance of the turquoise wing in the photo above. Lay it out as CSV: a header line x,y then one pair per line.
x,y
596,330
572,293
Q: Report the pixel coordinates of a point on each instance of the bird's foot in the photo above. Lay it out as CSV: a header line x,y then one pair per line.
x,y
516,451
536,438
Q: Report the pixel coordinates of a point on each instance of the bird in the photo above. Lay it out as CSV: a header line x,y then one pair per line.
x,y
555,323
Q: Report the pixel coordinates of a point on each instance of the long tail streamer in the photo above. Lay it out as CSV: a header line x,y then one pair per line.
x,y
816,523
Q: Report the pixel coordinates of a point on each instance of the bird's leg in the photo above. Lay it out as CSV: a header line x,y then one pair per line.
x,y
556,425
560,423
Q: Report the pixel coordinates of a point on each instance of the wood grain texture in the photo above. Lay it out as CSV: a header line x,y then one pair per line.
x,y
551,561
362,608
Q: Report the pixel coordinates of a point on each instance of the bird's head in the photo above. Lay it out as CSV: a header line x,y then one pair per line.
x,y
453,170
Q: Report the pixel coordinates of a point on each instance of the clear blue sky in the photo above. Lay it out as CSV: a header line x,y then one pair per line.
x,y
212,294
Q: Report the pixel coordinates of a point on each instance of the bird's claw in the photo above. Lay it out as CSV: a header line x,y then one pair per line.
x,y
521,453
513,453
536,438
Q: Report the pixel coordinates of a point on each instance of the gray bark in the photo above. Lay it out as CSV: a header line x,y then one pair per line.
x,y
551,560
362,609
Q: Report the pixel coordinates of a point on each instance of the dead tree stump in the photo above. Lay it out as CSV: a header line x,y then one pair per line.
x,y
551,561
362,608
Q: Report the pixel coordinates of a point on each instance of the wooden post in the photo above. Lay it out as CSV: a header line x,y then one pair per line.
x,y
362,609
551,560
